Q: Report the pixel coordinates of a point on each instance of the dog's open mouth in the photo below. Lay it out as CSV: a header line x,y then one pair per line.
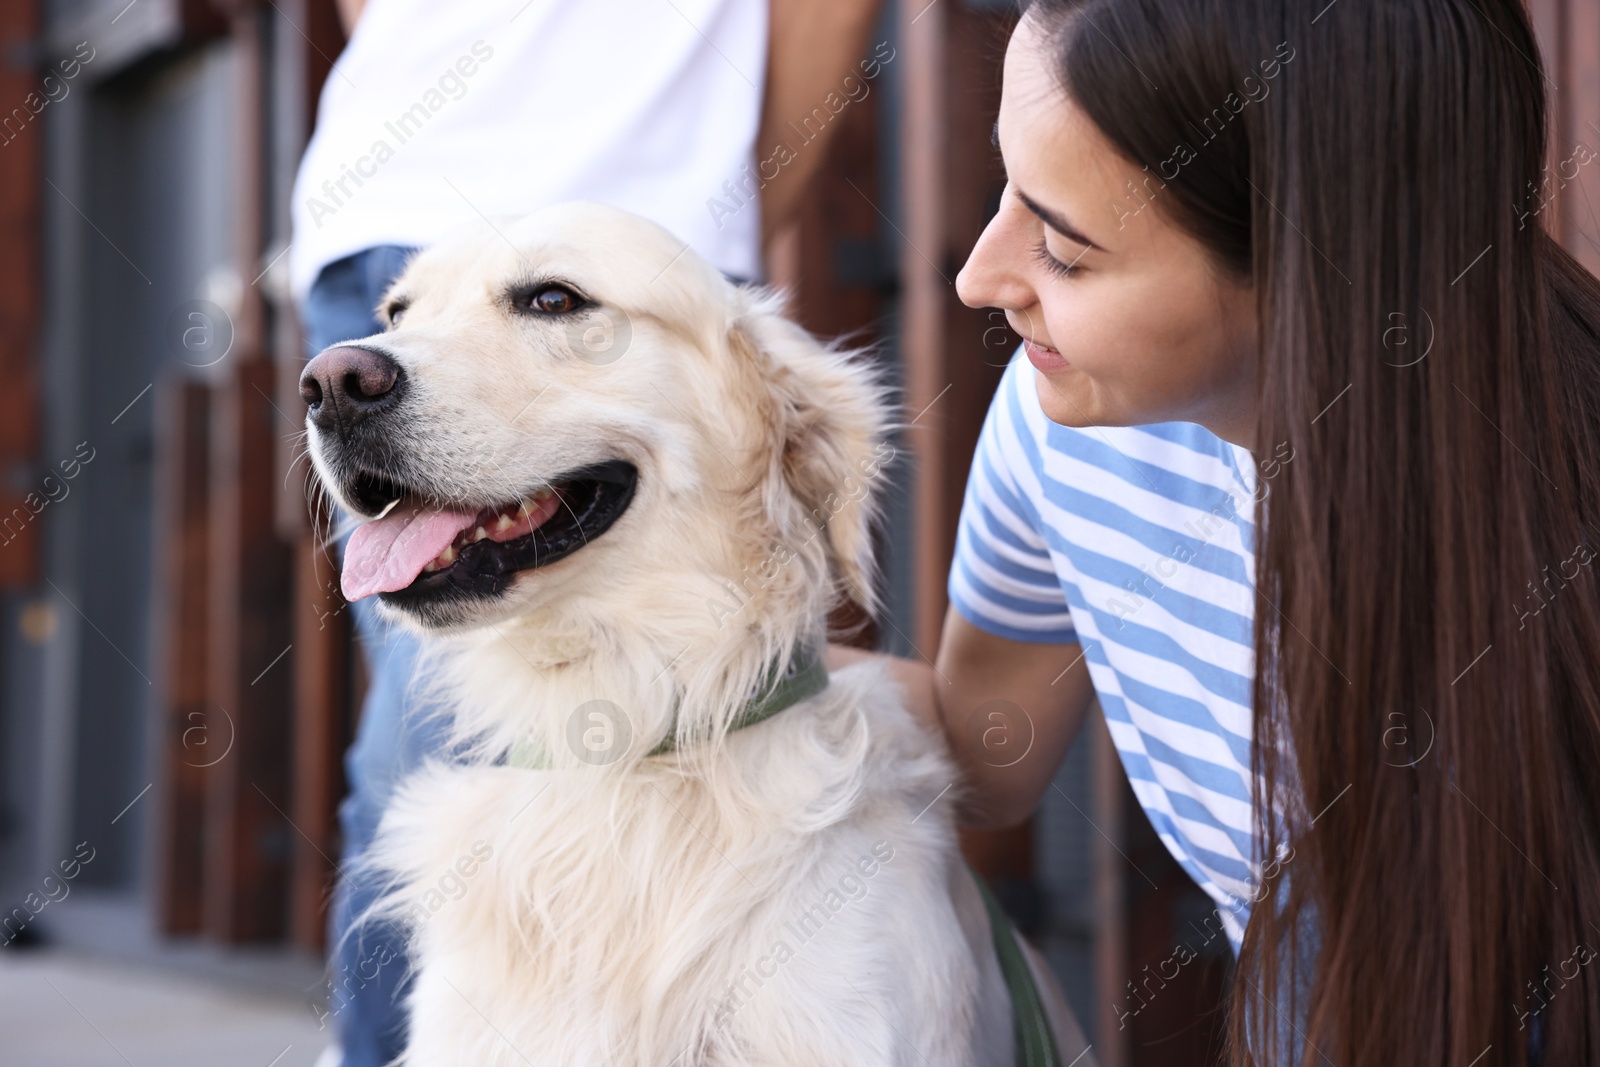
x,y
416,551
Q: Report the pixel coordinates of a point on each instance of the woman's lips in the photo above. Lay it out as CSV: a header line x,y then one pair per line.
x,y
1044,357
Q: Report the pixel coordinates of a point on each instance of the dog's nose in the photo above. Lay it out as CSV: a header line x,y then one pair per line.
x,y
348,383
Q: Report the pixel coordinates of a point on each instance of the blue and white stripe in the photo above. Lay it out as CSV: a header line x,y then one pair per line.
x,y
1138,544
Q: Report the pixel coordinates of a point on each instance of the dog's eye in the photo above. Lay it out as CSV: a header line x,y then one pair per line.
x,y
554,300
396,313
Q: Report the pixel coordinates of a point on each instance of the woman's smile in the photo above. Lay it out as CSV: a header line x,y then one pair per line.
x,y
1145,325
1042,356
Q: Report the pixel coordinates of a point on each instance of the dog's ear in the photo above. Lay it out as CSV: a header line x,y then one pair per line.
x,y
831,415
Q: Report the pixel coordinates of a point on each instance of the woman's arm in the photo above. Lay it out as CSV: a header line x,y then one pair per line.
x,y
349,13
812,48
1009,710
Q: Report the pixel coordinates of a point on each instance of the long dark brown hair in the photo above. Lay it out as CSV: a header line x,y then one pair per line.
x,y
1427,629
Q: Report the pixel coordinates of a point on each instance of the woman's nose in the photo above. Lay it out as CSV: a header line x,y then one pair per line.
x,y
995,272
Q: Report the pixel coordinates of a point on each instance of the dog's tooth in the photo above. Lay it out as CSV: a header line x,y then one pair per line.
x,y
503,523
479,534
448,556
541,495
429,567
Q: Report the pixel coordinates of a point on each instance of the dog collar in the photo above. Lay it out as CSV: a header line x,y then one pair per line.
x,y
803,677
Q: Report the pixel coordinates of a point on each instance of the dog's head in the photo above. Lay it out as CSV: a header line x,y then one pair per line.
x,y
574,417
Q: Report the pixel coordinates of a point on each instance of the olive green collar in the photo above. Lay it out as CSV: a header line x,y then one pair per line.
x,y
803,677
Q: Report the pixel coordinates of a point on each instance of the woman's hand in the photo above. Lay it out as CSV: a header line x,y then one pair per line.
x,y
1009,710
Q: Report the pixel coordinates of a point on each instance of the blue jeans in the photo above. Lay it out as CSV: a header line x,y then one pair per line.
x,y
368,967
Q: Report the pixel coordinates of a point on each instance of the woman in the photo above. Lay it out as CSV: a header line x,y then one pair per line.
x,y
1360,597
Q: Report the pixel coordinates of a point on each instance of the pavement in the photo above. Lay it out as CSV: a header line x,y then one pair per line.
x,y
61,1008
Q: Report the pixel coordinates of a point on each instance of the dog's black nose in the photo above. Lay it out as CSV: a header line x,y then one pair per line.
x,y
348,383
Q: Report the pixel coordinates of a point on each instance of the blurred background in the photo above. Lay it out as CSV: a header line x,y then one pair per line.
x,y
178,681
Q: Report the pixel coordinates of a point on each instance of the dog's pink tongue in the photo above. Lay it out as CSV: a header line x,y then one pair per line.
x,y
387,554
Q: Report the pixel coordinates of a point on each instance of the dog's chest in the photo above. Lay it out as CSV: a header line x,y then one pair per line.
x,y
666,913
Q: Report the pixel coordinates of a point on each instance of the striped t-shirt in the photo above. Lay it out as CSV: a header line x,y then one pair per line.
x,y
1137,543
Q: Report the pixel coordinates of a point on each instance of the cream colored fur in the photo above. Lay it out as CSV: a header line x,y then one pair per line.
x,y
623,909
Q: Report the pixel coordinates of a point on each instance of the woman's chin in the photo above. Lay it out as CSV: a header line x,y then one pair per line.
x,y
1067,398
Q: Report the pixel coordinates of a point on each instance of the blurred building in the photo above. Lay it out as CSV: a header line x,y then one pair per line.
x,y
177,681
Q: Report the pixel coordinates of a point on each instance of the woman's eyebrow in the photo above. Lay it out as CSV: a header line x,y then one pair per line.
x,y
1056,222
1053,219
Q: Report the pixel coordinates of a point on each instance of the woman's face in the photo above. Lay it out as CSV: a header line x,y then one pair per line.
x,y
1122,313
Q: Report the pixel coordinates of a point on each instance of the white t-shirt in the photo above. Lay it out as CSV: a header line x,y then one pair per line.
x,y
438,114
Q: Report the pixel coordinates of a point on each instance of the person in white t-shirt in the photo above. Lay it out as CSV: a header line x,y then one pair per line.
x,y
706,116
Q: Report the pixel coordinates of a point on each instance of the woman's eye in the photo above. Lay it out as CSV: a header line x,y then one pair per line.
x,y
1054,265
554,300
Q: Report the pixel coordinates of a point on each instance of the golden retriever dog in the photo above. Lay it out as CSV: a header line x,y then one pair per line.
x,y
620,496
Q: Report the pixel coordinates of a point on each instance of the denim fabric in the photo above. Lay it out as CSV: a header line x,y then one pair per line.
x,y
1293,1004
368,968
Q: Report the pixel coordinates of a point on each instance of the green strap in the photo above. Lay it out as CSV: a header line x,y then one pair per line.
x,y
804,677
1036,1043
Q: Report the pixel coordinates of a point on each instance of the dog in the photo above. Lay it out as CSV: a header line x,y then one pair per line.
x,y
620,495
